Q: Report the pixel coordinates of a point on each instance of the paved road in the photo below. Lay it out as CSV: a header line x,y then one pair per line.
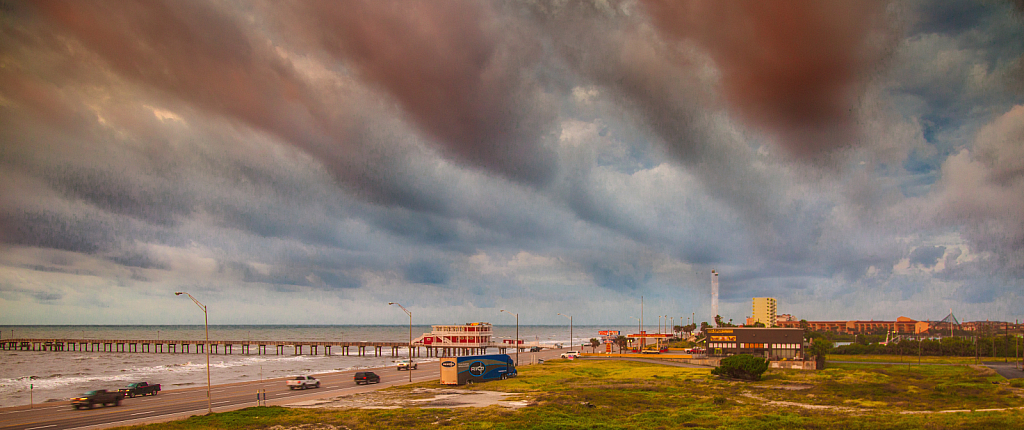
x,y
182,403
1006,370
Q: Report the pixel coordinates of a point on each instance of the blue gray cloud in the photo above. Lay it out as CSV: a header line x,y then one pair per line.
x,y
541,156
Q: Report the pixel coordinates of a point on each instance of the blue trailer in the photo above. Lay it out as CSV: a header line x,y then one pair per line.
x,y
476,368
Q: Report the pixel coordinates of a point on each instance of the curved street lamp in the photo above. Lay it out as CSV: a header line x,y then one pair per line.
x,y
206,323
517,335
570,332
409,367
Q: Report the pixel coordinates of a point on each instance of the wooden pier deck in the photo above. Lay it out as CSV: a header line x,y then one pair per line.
x,y
361,348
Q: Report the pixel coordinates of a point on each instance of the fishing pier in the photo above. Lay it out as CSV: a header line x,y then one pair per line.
x,y
259,347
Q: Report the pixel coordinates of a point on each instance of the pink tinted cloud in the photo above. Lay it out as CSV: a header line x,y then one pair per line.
x,y
794,68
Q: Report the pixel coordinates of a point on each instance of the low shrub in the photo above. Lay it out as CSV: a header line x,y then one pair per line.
x,y
742,366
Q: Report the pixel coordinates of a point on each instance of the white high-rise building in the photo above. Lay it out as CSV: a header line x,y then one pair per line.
x,y
714,294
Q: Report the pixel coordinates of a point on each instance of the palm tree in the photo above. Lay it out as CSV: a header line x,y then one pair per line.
x,y
594,343
621,342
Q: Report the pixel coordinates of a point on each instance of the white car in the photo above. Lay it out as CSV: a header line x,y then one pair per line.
x,y
570,354
406,365
302,382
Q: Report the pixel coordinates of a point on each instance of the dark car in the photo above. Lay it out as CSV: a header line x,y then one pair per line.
x,y
535,349
140,389
94,397
367,378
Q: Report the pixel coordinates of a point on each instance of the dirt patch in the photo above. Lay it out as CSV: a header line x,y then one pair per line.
x,y
417,398
317,426
802,405
790,387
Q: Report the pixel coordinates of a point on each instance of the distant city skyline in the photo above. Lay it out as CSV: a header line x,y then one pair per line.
x,y
310,162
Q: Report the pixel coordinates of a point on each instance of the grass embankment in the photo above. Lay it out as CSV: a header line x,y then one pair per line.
x,y
912,359
631,395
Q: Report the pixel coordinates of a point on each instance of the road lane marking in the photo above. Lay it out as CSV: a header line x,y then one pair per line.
x,y
113,423
41,427
141,413
34,409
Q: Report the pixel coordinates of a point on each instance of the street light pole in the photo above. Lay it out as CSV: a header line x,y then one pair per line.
x,y
206,323
409,367
517,335
570,331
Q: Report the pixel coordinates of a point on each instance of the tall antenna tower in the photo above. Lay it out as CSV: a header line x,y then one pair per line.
x,y
714,294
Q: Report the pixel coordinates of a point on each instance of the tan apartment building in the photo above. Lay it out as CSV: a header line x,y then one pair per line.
x,y
764,309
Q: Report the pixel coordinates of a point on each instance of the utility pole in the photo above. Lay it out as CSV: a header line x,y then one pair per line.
x,y
643,340
570,333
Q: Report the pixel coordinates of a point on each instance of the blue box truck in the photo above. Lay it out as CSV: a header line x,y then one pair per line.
x,y
476,368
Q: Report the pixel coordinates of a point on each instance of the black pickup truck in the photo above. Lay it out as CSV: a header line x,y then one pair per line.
x,y
139,389
97,397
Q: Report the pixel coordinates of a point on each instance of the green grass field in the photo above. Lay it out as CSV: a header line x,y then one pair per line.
x,y
913,359
583,394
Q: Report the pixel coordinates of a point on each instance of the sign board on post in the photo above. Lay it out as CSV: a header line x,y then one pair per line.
x,y
608,332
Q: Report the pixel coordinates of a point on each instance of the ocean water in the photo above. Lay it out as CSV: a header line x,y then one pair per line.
x,y
56,376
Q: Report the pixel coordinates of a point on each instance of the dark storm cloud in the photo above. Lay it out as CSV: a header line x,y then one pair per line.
x,y
927,256
427,272
138,197
288,277
140,259
621,272
51,269
977,291
950,16
795,68
47,296
199,54
69,232
337,280
463,76
433,149
661,89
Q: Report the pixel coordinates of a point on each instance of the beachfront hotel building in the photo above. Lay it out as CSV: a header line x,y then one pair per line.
x,y
901,325
764,309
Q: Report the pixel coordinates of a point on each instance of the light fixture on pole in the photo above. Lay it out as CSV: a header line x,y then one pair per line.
x,y
570,330
516,342
206,323
408,367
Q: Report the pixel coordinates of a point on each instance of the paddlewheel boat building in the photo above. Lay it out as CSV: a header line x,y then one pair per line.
x,y
458,339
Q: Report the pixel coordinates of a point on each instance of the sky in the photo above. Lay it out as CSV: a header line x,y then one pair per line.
x,y
307,162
